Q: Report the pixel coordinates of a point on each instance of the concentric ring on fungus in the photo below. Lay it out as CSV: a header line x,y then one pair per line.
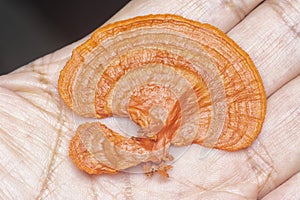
x,y
181,81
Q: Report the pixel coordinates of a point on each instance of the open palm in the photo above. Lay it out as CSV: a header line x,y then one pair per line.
x,y
36,126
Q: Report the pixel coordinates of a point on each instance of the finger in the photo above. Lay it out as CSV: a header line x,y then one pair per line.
x,y
271,35
222,13
288,190
274,46
275,156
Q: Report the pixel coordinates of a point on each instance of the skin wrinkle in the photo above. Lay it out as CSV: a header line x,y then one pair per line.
x,y
294,115
183,9
218,187
50,192
44,113
192,189
223,184
238,10
49,170
184,6
233,194
128,187
200,194
262,166
3,194
56,161
277,126
280,8
188,183
105,188
21,179
156,194
20,182
193,5
289,120
106,185
93,189
15,147
7,172
288,190
9,176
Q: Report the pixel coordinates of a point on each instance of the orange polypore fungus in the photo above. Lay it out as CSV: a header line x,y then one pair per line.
x,y
181,81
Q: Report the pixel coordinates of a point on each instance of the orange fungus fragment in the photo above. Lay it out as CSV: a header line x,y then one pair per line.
x,y
181,81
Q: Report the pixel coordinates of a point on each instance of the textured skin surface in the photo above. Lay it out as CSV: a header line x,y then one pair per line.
x,y
36,127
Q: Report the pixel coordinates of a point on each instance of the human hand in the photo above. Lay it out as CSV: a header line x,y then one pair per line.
x,y
36,126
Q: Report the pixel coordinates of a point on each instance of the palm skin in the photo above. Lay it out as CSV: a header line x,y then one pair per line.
x,y
36,126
